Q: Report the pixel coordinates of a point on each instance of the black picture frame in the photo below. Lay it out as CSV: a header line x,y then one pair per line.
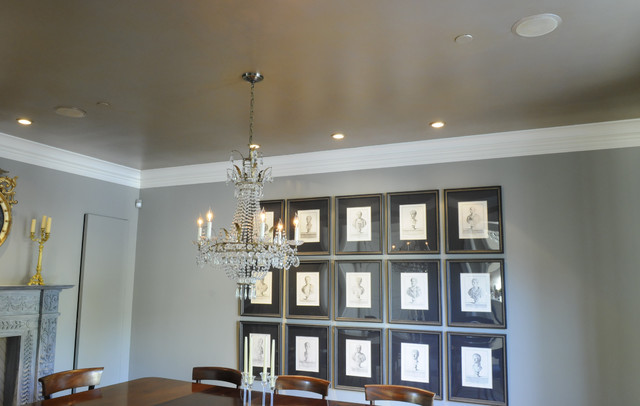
x,y
246,329
476,293
358,290
318,210
277,208
317,338
408,281
351,372
316,304
413,225
411,363
476,379
354,236
272,293
473,220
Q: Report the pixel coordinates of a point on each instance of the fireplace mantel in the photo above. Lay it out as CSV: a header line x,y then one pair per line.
x,y
31,313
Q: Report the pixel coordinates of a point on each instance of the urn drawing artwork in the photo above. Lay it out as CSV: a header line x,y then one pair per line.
x,y
308,354
476,367
264,290
473,220
309,225
358,223
475,292
414,361
307,289
358,358
358,289
414,291
413,221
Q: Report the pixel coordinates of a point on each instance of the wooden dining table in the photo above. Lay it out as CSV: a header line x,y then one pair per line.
x,y
171,392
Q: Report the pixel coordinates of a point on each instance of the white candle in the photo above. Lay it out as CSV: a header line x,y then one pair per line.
x,y
296,232
33,226
263,224
273,357
44,222
266,358
250,358
246,355
209,223
200,221
279,232
48,225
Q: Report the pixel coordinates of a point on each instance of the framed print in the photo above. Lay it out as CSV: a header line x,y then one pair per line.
x,y
414,292
412,223
259,340
308,290
415,359
477,368
358,224
268,300
358,290
473,220
313,223
476,293
274,211
357,357
307,350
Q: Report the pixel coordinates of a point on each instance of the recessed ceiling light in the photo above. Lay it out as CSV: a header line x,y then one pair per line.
x,y
24,121
463,39
337,136
536,25
437,124
72,112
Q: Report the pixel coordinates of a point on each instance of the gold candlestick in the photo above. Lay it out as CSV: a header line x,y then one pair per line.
x,y
45,232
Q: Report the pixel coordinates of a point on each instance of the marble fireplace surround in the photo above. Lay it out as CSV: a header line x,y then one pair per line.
x,y
30,313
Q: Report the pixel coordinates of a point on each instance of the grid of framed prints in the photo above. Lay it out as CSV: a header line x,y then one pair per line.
x,y
376,258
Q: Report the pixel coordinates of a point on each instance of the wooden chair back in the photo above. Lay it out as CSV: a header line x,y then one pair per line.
x,y
74,378
217,374
398,393
303,383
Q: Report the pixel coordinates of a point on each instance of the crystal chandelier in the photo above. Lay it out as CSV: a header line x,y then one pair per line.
x,y
248,249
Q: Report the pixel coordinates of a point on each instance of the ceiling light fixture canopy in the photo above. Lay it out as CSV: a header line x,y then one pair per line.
x,y
250,246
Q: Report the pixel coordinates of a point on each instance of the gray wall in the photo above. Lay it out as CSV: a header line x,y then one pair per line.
x,y
65,198
571,254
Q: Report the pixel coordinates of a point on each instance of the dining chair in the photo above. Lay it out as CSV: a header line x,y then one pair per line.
x,y
71,379
217,374
302,383
398,393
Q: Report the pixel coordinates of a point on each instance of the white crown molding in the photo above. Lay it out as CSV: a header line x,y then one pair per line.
x,y
586,137
38,154
608,135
